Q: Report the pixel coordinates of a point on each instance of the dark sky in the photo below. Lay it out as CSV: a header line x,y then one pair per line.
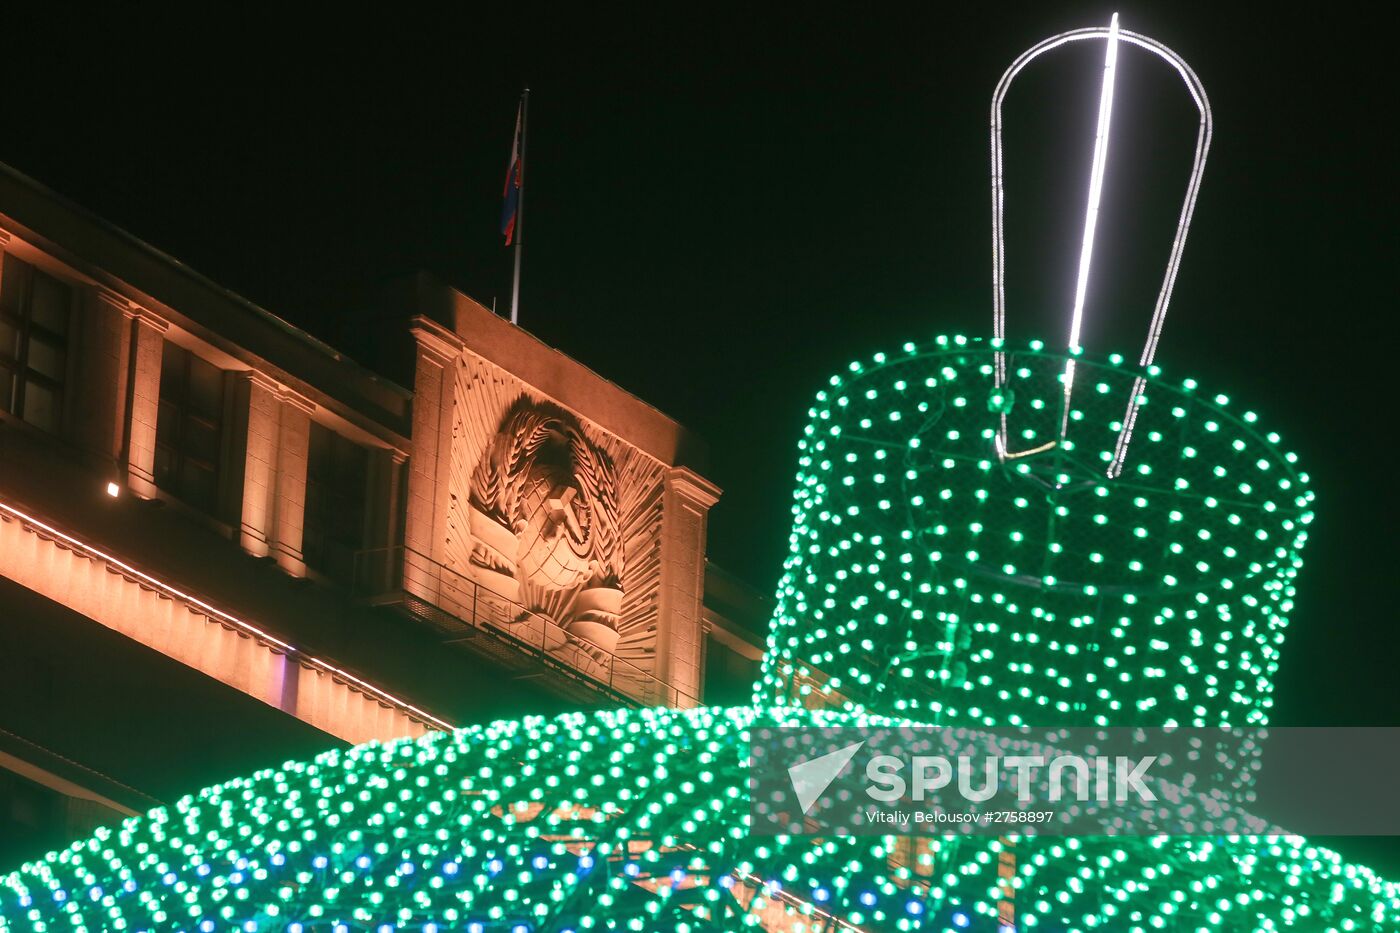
x,y
726,205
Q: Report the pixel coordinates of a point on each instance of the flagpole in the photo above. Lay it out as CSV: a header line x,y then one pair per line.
x,y
520,209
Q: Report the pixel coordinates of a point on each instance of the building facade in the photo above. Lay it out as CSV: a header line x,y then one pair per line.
x,y
223,544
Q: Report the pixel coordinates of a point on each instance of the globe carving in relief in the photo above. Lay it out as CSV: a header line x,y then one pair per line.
x,y
543,516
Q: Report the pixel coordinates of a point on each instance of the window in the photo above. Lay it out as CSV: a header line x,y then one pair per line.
x,y
35,309
337,475
190,429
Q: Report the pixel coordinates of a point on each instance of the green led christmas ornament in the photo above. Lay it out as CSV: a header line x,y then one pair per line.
x,y
984,534
930,577
632,820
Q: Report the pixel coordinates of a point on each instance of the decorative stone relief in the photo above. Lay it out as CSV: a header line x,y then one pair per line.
x,y
557,521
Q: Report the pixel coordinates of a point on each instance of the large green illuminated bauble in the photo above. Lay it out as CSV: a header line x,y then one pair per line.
x,y
929,581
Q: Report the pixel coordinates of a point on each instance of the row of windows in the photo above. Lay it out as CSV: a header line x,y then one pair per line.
x,y
190,428
34,319
192,446
337,479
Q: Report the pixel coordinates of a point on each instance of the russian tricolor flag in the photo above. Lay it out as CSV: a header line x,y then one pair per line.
x,y
510,205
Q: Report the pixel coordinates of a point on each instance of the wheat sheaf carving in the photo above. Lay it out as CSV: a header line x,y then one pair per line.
x,y
558,517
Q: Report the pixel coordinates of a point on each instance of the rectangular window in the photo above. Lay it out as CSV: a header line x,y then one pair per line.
x,y
35,315
190,428
337,477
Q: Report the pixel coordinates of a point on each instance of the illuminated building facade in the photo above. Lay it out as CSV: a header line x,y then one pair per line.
x,y
224,544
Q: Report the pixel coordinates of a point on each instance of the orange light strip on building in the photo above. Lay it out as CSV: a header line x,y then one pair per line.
x,y
263,637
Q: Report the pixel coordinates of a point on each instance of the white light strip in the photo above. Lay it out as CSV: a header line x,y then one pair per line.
x,y
1091,212
1203,137
268,640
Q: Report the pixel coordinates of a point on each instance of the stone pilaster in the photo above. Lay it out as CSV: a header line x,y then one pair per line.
x,y
147,340
680,644
425,528
100,378
293,447
257,398
385,469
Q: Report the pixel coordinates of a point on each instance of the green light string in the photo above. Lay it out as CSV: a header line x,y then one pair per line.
x,y
629,820
927,577
928,580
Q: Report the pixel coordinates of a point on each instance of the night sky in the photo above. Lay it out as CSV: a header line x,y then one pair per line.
x,y
725,206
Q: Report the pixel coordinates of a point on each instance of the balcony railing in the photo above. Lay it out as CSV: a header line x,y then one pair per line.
x,y
469,614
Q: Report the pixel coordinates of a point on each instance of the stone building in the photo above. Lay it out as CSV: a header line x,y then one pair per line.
x,y
224,544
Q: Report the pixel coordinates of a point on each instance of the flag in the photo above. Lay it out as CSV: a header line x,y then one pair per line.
x,y
510,198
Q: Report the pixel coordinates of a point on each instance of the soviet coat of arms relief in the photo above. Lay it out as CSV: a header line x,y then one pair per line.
x,y
553,533
545,526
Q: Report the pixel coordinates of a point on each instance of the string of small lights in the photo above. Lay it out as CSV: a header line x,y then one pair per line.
x,y
928,578
928,581
628,820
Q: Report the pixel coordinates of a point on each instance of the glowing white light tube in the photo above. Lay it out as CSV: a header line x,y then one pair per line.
x,y
1096,173
1091,213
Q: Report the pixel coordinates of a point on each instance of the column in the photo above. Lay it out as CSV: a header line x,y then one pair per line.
x,y
425,528
680,626
375,574
143,399
293,446
257,398
99,423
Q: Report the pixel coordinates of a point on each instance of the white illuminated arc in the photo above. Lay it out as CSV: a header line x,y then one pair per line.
x,y
1112,36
